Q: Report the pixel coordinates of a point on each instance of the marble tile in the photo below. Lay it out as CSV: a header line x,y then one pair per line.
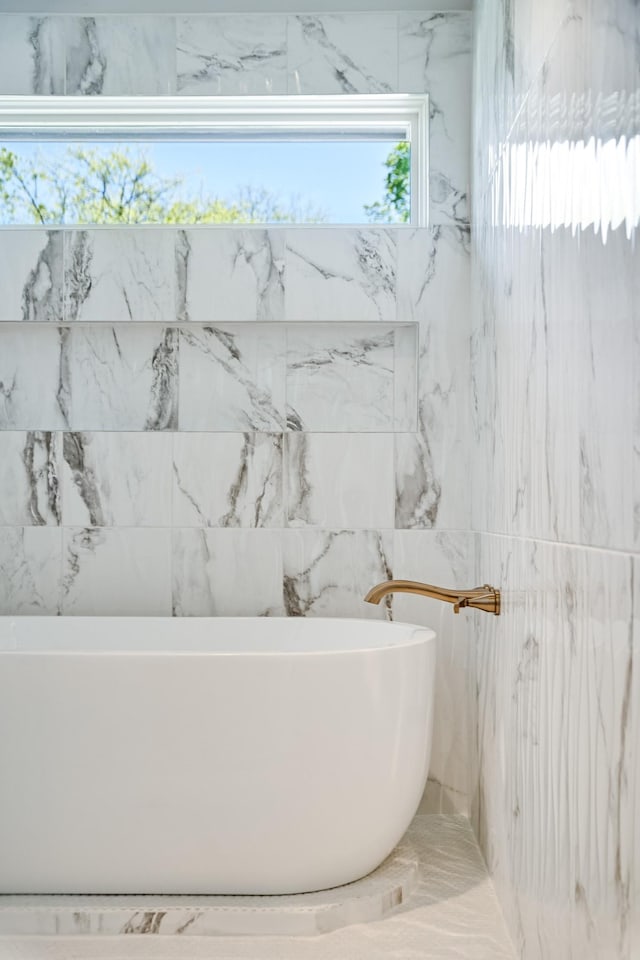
x,y
446,559
120,378
227,573
120,56
31,275
435,58
339,480
328,573
432,463
29,478
227,480
32,55
554,676
232,378
29,571
119,275
230,275
406,338
232,55
341,275
340,379
116,479
343,53
33,379
116,572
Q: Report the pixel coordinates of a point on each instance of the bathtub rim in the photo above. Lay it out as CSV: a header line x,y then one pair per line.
x,y
416,634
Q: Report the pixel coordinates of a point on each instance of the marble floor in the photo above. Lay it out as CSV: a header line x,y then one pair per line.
x,y
451,913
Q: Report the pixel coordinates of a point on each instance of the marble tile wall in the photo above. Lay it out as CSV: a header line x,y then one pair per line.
x,y
185,412
555,398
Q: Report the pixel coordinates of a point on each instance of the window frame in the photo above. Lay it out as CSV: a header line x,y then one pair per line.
x,y
46,118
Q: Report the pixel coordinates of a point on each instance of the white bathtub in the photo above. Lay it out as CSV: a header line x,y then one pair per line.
x,y
214,755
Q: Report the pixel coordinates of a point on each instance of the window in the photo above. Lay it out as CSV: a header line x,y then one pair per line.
x,y
334,160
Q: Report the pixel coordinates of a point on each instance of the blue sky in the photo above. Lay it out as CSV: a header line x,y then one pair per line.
x,y
338,177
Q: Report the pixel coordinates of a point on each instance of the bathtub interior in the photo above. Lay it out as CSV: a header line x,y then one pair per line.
x,y
220,635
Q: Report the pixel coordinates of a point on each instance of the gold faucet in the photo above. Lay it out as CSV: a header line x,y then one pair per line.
x,y
482,598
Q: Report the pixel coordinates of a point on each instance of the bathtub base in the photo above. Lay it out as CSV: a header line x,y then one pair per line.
x,y
307,914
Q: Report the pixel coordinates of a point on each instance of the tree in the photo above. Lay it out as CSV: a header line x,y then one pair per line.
x,y
395,208
90,185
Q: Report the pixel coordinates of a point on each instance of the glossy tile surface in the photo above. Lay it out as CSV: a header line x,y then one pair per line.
x,y
555,493
115,56
342,53
231,55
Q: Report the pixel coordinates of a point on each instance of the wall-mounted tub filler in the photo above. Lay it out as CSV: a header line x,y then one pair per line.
x,y
485,598
208,755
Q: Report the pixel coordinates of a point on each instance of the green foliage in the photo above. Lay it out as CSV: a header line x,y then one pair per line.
x,y
121,186
395,207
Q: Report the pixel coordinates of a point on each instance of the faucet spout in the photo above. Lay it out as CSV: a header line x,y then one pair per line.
x,y
485,598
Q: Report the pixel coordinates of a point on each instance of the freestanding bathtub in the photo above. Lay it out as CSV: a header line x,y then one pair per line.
x,y
212,755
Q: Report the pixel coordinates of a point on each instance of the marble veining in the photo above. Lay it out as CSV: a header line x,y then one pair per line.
x,y
232,55
136,563
435,58
228,275
232,378
31,264
29,478
341,275
117,276
116,479
212,569
332,570
329,480
554,391
336,380
227,480
31,55
30,571
343,53
120,55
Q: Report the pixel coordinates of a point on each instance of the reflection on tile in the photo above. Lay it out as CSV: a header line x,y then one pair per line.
x,y
119,275
341,275
29,571
554,683
29,471
432,464
31,275
120,378
340,378
33,380
352,53
116,479
123,572
339,480
447,559
31,55
327,573
230,275
227,480
232,55
120,55
227,573
435,58
232,378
